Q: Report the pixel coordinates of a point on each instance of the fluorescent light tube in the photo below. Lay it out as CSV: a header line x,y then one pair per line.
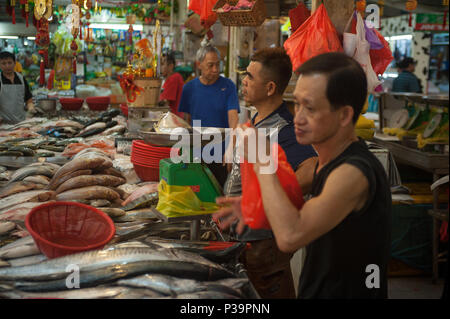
x,y
8,37
117,26
399,37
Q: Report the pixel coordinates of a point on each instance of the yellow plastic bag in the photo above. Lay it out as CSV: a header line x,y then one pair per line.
x,y
364,123
179,201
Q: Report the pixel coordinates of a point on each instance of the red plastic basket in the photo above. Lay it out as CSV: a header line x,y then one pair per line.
x,y
147,174
62,228
71,104
98,103
124,108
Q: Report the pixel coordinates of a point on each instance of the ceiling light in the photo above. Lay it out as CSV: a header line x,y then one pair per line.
x,y
136,27
8,37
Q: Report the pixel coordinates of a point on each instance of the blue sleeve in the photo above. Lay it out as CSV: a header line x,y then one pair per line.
x,y
295,152
233,100
184,105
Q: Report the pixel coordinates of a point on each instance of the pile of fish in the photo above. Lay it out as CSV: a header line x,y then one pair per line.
x,y
149,268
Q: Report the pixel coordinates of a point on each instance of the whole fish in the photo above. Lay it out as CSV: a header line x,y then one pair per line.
x,y
75,165
16,187
169,285
19,211
26,171
37,179
143,201
92,132
6,227
92,127
136,215
90,180
115,129
29,196
205,295
112,212
169,261
28,260
68,176
111,171
100,203
85,293
89,192
3,169
19,251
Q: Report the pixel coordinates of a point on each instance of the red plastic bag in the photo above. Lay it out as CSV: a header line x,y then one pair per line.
x,y
252,205
204,8
381,58
298,16
315,36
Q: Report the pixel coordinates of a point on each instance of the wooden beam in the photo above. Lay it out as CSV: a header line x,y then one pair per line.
x,y
339,11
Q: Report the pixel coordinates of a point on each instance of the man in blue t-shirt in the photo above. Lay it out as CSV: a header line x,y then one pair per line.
x,y
211,99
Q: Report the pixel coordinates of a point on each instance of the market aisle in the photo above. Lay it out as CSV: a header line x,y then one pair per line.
x,y
414,288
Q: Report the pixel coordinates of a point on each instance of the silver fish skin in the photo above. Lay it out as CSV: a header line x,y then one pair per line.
x,y
164,284
34,195
28,260
84,293
205,295
96,259
26,171
6,227
20,251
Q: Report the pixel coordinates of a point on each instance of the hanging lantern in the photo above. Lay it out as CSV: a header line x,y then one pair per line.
x,y
361,6
411,5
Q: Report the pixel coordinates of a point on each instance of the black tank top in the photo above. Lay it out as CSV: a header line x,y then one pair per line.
x,y
336,263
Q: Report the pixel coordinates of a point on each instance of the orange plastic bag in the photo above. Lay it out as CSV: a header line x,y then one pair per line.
x,y
204,8
315,36
252,205
381,58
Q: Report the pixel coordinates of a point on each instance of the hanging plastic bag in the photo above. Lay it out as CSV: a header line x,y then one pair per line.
x,y
381,58
315,36
349,38
298,16
207,16
252,205
362,55
178,201
196,6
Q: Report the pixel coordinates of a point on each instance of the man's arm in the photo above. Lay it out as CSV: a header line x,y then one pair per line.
x,y
305,174
294,229
233,118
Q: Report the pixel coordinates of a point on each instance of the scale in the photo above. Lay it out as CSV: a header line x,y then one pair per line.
x,y
196,175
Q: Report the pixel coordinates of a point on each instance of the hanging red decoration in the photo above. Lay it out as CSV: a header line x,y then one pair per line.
x,y
13,13
361,6
411,5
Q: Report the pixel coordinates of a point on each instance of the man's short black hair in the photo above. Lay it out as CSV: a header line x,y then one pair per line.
x,y
170,58
406,62
347,82
7,55
277,66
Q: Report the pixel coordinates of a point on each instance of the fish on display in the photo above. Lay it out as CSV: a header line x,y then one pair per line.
x,y
137,215
82,163
68,176
18,211
18,187
34,195
98,125
90,180
28,260
6,226
100,203
84,293
143,201
37,179
167,261
172,286
31,170
89,192
20,248
112,212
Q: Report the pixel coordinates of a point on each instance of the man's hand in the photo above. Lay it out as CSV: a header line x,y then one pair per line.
x,y
146,189
229,213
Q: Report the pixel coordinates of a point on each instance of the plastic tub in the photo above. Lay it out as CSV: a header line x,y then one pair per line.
x,y
62,228
71,104
98,103
147,174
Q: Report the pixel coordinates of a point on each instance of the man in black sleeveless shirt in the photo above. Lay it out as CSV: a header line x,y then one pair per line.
x,y
345,225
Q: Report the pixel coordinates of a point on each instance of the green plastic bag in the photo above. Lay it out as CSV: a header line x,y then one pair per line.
x,y
180,201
